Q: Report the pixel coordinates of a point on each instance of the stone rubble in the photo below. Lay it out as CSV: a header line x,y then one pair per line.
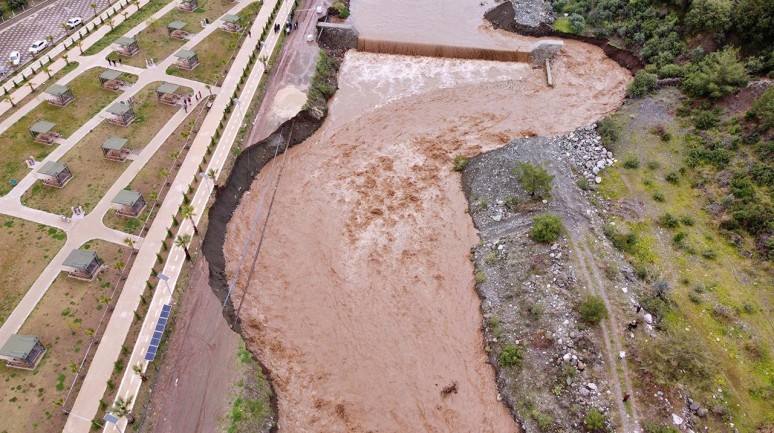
x,y
583,149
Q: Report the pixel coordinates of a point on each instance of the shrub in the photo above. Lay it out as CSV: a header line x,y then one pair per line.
x,y
672,178
480,277
460,162
594,420
669,221
763,108
707,120
754,21
592,310
511,356
632,163
543,421
609,131
677,358
625,242
687,220
717,75
546,228
652,427
670,71
654,165
659,197
534,179
644,83
583,183
577,23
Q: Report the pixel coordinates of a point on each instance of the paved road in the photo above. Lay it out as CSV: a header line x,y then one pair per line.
x,y
19,35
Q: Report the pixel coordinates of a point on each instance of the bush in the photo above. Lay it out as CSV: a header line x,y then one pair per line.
x,y
632,163
670,71
534,179
592,310
546,228
460,162
577,23
669,221
511,356
672,178
707,120
688,220
652,427
709,16
717,75
763,108
594,420
677,358
754,21
583,183
609,130
644,84
659,197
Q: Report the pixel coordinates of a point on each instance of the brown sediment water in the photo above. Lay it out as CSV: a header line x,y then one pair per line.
x,y
363,304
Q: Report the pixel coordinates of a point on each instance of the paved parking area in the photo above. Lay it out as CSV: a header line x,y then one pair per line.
x,y
19,35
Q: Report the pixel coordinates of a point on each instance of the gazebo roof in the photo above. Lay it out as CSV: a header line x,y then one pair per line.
x,y
57,90
114,143
119,109
42,126
177,25
125,41
127,197
80,259
167,88
110,74
230,18
18,346
185,54
52,168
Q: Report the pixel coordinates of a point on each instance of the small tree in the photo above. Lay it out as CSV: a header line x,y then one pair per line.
x,y
709,16
47,71
577,23
546,228
66,58
93,7
717,75
9,98
80,46
137,368
535,179
592,309
122,408
182,241
644,83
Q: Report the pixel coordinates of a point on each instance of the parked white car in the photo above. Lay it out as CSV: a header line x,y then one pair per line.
x,y
74,22
15,58
38,46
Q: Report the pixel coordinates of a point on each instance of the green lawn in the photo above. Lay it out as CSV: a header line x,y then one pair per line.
x,y
154,41
90,98
144,13
92,173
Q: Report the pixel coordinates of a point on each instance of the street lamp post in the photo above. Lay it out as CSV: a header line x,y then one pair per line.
x,y
112,419
165,279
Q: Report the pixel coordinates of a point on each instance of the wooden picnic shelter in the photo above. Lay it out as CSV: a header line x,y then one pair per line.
x,y
54,174
109,80
61,95
123,114
127,46
167,94
114,148
42,132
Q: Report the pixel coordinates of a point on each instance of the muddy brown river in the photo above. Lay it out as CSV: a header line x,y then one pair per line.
x,y
363,304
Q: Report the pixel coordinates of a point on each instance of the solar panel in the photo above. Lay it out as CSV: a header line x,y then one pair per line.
x,y
153,347
165,314
155,342
110,418
166,308
150,356
160,327
157,334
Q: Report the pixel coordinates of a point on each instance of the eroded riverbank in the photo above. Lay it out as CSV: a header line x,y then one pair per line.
x,y
363,308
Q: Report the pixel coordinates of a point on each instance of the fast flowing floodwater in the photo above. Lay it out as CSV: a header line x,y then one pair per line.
x,y
364,307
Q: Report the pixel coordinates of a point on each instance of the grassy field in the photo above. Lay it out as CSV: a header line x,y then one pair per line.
x,y
64,320
154,41
54,78
90,98
93,174
149,9
149,180
722,299
214,53
34,247
563,25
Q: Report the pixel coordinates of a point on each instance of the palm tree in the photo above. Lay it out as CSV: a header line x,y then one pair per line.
x,y
9,98
129,242
138,370
46,70
119,265
213,174
66,58
187,211
122,408
80,46
66,29
182,242
50,39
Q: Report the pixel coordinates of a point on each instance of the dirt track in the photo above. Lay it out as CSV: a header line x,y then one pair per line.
x,y
363,305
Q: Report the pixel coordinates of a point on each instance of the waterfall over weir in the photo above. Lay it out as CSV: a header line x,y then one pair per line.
x,y
439,50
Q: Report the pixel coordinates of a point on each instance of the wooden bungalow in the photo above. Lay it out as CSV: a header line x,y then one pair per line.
x,y
22,351
108,80
82,265
128,203
186,59
187,5
175,30
61,95
122,113
42,132
127,46
54,174
166,93
231,23
114,148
